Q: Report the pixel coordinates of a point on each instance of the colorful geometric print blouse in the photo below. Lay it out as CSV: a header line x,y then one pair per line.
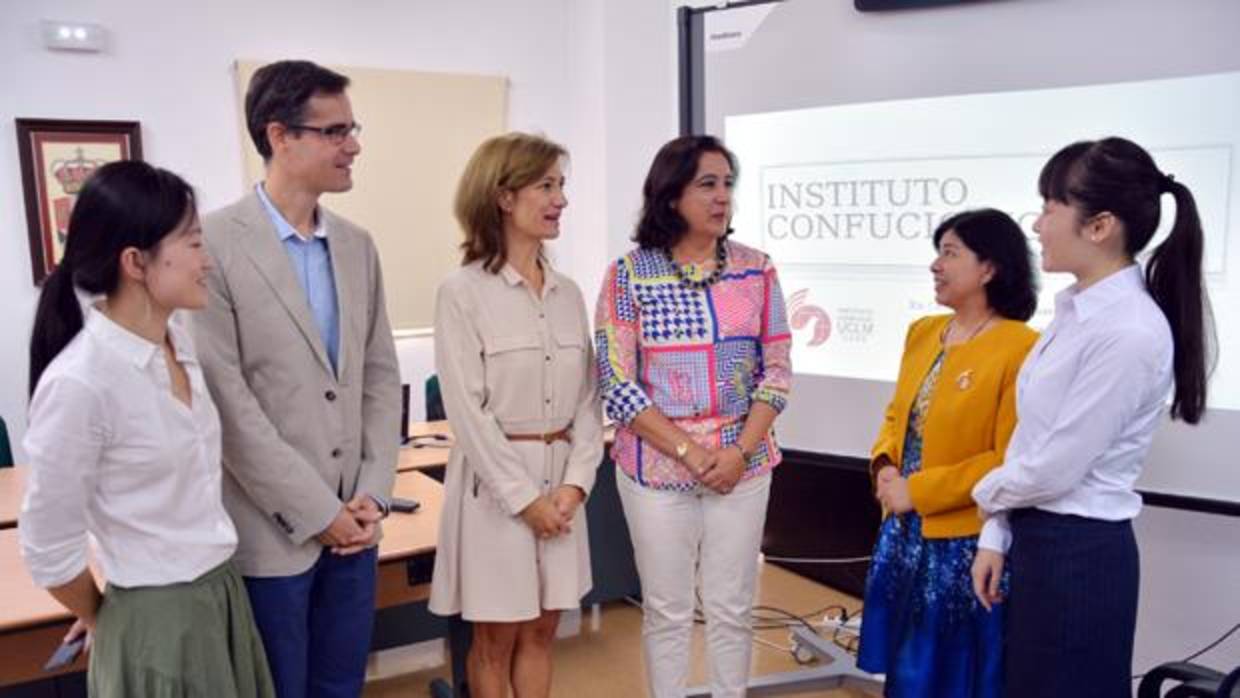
x,y
701,356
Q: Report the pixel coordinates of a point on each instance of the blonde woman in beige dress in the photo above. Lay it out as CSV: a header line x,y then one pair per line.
x,y
513,352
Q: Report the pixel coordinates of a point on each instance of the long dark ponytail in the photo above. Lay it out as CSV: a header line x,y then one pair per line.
x,y
1119,176
123,204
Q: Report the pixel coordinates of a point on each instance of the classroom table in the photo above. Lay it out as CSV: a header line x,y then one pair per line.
x,y
32,623
419,454
411,457
423,452
12,484
430,444
31,627
611,549
416,456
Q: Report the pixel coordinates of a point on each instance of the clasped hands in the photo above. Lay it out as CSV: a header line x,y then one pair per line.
x,y
355,528
891,490
551,514
718,469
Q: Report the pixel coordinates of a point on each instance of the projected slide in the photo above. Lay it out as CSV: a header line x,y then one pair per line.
x,y
846,200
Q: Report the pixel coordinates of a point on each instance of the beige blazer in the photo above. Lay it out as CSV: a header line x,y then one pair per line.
x,y
511,362
298,439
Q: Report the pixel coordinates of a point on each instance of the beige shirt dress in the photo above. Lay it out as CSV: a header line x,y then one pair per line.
x,y
512,362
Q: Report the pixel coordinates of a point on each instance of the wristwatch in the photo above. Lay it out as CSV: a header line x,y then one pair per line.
x,y
745,455
682,450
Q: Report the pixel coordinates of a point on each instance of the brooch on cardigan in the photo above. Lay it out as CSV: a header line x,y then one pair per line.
x,y
964,381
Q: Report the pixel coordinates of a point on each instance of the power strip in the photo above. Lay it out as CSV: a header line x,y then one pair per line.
x,y
852,625
830,623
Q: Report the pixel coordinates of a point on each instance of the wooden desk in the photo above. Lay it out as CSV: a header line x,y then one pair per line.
x,y
442,426
417,429
32,623
611,550
422,458
406,536
12,485
427,453
13,480
431,454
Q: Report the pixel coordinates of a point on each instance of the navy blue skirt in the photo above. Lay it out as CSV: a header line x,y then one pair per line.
x,y
1073,612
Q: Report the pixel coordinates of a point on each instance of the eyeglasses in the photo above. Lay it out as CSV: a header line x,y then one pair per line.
x,y
335,134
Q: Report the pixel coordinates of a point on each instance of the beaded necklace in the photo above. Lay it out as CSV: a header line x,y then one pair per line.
x,y
721,259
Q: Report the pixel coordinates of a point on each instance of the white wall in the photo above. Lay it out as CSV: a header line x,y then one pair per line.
x,y
171,70
1190,574
619,94
598,75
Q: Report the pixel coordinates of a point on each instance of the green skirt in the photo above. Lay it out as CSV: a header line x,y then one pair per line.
x,y
190,640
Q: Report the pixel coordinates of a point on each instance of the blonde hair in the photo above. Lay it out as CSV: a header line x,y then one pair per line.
x,y
503,163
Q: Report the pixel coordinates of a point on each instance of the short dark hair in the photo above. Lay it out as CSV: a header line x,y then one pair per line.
x,y
994,237
661,226
279,91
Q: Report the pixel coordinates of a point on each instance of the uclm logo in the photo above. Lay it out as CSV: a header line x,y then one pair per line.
x,y
803,314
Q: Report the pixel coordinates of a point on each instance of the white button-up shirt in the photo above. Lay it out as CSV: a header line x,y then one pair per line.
x,y
114,454
1088,399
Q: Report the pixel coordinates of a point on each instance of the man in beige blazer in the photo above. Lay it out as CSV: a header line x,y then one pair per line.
x,y
299,358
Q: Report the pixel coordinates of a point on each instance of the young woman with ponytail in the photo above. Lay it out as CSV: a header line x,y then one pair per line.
x,y
124,444
1089,398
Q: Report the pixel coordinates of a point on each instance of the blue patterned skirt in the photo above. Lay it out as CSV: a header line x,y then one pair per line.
x,y
922,626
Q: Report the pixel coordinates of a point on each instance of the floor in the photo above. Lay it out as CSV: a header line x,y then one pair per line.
x,y
599,653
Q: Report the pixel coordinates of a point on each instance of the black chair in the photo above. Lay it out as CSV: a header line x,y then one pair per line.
x,y
6,451
460,631
1195,681
434,400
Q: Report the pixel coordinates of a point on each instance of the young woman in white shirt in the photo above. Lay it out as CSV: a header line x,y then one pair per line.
x,y
1089,397
124,445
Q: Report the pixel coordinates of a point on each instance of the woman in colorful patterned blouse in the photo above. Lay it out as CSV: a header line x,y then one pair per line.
x,y
948,424
693,348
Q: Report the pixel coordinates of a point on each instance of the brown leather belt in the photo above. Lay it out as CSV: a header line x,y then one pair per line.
x,y
565,435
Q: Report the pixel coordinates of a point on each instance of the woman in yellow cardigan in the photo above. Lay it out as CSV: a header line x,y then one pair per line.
x,y
947,425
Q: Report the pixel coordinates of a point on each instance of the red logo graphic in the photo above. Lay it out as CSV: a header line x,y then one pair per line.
x,y
71,174
803,314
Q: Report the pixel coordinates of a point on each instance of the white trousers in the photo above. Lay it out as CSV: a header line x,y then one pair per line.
x,y
676,536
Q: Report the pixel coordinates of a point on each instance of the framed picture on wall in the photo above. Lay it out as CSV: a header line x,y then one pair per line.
x,y
56,158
